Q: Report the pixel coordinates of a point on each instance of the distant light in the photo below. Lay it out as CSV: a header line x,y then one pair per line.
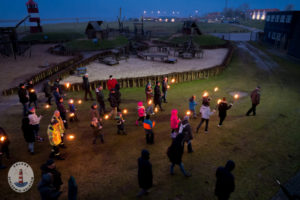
x,y
145,11
160,19
166,20
158,12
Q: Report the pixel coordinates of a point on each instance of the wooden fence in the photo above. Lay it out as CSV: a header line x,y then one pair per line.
x,y
179,76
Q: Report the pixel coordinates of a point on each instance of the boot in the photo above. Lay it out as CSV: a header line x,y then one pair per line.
x,y
190,149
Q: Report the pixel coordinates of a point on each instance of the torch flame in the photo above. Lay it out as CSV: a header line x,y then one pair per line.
x,y
168,86
106,116
2,138
156,110
32,90
205,94
216,89
79,102
71,137
219,101
71,101
173,80
149,102
125,111
188,113
47,106
67,85
236,96
72,114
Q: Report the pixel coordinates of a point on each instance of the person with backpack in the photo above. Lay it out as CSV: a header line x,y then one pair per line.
x,y
148,127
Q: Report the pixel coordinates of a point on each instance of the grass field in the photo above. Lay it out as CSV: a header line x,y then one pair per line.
x,y
254,23
89,45
202,40
264,147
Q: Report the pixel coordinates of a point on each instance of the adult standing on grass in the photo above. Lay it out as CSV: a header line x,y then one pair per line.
x,y
186,129
113,103
225,181
32,94
205,115
255,99
223,107
175,152
50,167
164,88
28,134
144,173
23,98
100,99
111,83
157,95
47,91
86,87
60,126
56,95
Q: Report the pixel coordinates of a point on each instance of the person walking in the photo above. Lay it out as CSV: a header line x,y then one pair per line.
x,y
148,126
54,136
113,103
157,95
149,93
205,115
164,86
100,99
145,175
23,98
72,109
174,121
48,92
86,87
175,152
255,99
111,83
94,112
32,94
186,129
141,113
50,167
46,188
223,107
97,127
28,133
120,124
34,122
225,181
192,105
63,112
61,127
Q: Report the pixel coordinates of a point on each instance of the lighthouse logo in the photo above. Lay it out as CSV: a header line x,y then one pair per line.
x,y
20,177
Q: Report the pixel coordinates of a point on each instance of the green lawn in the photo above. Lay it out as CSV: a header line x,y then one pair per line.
x,y
264,147
89,45
202,40
254,23
53,36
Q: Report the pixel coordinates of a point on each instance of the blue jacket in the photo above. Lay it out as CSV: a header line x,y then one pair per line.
x,y
192,105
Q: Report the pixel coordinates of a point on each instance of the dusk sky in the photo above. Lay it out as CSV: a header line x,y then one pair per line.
x,y
108,10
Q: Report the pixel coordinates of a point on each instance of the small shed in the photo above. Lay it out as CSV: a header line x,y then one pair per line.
x,y
94,30
190,28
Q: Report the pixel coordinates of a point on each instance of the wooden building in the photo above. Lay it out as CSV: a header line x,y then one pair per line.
x,y
190,28
94,30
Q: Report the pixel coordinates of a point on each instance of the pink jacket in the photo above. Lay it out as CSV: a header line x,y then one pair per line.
x,y
141,109
174,119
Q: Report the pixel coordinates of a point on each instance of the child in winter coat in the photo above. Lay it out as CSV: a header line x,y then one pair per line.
x,y
205,114
97,130
120,124
149,109
28,134
174,120
148,126
34,122
73,115
223,107
141,113
192,105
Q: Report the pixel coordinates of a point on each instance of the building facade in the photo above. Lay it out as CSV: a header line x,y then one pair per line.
x,y
282,29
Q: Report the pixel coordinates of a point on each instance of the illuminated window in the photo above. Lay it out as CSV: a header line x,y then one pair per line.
x,y
272,18
288,19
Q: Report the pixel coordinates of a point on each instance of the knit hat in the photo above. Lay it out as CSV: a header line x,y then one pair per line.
x,y
186,118
31,109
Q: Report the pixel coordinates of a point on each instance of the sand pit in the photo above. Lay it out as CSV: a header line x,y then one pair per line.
x,y
136,67
13,72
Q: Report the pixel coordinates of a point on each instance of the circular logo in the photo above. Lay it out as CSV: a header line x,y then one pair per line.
x,y
20,177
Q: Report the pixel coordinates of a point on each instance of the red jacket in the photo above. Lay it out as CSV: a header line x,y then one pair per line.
x,y
111,84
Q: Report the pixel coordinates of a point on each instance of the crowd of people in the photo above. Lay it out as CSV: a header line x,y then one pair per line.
x,y
181,130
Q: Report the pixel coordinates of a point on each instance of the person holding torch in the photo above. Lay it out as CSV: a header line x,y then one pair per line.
x,y
164,89
223,107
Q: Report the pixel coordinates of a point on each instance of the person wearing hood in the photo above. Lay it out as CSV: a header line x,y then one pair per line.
x,y
175,152
86,87
29,135
113,103
46,188
225,181
141,113
23,98
94,112
192,105
148,126
186,129
144,173
174,122
120,124
223,107
157,95
100,99
32,94
63,112
50,167
47,91
205,115
255,99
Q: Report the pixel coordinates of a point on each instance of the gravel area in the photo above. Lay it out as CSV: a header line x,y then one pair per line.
x,y
136,67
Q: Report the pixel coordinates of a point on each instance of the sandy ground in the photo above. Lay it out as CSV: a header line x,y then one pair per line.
x,y
13,72
136,67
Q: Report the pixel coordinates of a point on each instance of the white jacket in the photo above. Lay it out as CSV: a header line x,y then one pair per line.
x,y
34,119
205,112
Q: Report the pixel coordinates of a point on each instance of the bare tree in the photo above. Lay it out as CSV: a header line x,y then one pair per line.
x,y
290,7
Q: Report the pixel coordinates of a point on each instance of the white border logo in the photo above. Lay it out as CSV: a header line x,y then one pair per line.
x,y
20,177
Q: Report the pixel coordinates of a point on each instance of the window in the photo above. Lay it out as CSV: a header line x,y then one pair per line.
x,y
273,36
288,19
278,36
269,35
282,18
272,18
268,18
277,18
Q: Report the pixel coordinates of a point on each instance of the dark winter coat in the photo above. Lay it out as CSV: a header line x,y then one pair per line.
x,y
46,189
86,83
118,93
223,107
113,100
32,95
187,130
175,151
145,171
57,182
47,89
225,180
99,96
23,95
28,130
255,96
72,189
157,95
164,86
61,108
56,96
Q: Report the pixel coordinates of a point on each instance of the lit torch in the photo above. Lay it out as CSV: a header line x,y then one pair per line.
x,y
156,109
236,97
32,90
168,87
2,138
125,111
71,101
205,94
149,102
67,85
47,106
72,115
188,113
173,80
79,102
216,89
219,101
71,137
106,117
